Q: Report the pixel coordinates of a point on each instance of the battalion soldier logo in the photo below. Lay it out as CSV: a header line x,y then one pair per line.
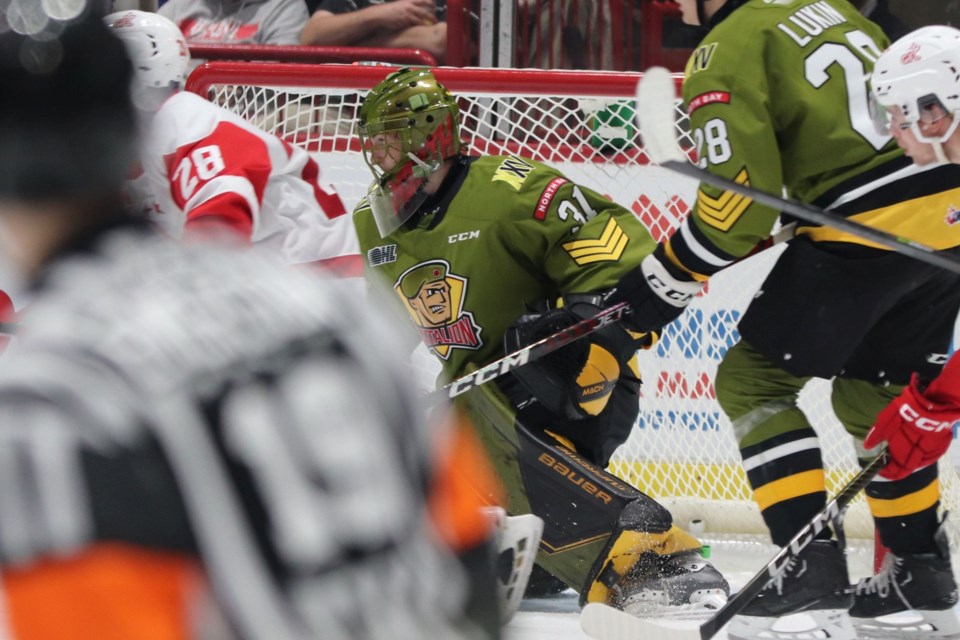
x,y
434,298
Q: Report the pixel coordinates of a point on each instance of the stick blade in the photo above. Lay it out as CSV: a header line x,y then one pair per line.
x,y
603,622
656,97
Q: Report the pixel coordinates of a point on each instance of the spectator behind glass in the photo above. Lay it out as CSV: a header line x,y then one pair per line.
x,y
238,21
419,24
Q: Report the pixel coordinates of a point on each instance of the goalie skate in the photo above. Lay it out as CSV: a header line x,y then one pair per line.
x,y
677,586
815,583
912,596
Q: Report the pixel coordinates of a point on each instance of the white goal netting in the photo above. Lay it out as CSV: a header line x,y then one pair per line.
x,y
682,450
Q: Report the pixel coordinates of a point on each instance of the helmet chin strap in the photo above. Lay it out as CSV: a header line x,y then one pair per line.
x,y
939,152
701,13
937,143
423,169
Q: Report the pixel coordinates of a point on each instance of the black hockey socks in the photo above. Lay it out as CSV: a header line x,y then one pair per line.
x,y
905,511
785,470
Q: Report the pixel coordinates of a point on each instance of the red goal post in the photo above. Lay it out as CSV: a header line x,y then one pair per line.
x,y
682,450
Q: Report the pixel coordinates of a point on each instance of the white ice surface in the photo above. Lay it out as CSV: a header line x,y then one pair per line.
x,y
557,618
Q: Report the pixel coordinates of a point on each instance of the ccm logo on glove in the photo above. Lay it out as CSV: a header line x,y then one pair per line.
x,y
909,414
917,424
677,292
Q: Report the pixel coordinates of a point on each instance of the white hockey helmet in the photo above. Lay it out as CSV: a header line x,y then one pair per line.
x,y
919,71
158,50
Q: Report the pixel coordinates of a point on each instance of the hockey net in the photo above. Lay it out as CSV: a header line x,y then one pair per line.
x,y
682,450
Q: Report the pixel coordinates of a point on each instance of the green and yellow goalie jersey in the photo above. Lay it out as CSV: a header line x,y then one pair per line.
x,y
505,232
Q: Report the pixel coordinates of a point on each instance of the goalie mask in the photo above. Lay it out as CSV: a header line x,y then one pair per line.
x,y
159,53
408,127
918,78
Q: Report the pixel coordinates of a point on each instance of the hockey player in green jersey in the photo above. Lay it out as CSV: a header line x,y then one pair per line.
x,y
778,99
495,252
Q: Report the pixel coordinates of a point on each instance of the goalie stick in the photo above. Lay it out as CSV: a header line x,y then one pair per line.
x,y
563,337
655,107
603,622
532,352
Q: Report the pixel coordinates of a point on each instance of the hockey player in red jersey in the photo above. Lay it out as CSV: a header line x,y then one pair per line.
x,y
205,167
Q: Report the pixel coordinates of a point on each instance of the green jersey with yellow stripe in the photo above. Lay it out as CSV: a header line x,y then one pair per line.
x,y
777,94
503,232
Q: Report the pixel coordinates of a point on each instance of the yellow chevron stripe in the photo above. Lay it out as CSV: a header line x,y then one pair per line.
x,y
722,211
799,484
608,231
907,505
612,255
593,247
741,178
609,246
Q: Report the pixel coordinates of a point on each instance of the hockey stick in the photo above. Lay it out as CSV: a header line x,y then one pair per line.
x,y
603,622
563,337
8,329
655,108
532,352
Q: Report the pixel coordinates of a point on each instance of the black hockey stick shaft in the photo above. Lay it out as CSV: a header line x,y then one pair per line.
x,y
808,213
8,329
560,339
832,512
656,97
533,351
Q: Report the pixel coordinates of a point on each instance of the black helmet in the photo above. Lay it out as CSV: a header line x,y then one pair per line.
x,y
67,127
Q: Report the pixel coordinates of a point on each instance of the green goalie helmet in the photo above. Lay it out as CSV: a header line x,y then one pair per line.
x,y
408,127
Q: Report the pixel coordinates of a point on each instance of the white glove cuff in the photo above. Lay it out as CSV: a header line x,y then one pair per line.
x,y
677,293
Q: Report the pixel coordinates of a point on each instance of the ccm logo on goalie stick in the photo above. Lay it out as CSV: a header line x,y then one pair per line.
x,y
484,375
911,415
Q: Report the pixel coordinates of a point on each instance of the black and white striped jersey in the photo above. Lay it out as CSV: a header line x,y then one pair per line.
x,y
194,399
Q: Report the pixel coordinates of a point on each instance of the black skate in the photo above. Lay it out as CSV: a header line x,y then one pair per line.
x,y
920,583
814,583
685,582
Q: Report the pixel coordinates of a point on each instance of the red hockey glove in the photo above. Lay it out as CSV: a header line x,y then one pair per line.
x,y
7,314
918,426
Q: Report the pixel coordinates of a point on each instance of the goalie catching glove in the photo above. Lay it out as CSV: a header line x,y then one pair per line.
x,y
918,425
575,381
657,292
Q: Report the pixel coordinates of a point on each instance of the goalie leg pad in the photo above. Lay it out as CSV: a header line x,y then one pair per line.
x,y
579,502
645,534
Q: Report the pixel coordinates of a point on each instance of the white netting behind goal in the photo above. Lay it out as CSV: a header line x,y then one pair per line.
x,y
682,450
